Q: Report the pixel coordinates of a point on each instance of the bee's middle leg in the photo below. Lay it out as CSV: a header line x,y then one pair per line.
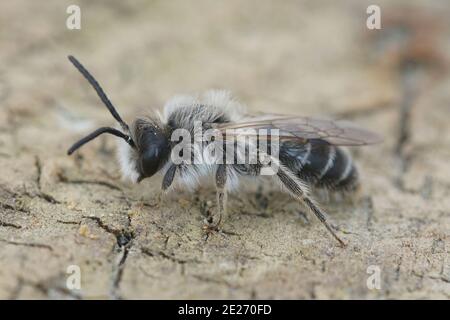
x,y
221,196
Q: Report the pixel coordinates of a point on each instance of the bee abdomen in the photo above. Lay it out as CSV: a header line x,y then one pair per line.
x,y
321,165
339,173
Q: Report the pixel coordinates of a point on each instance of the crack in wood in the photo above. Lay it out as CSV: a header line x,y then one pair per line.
x,y
28,244
158,253
9,225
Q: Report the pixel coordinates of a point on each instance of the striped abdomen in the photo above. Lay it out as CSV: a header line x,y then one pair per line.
x,y
320,164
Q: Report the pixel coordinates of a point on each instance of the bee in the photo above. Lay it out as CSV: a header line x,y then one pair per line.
x,y
310,151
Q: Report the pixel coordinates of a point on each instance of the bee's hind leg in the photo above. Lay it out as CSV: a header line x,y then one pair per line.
x,y
221,195
297,190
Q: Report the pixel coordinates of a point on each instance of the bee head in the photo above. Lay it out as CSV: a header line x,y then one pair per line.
x,y
152,147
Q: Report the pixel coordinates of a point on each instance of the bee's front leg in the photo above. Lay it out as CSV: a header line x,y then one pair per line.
x,y
168,177
221,195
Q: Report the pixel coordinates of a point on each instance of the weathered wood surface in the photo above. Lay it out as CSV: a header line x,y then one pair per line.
x,y
308,58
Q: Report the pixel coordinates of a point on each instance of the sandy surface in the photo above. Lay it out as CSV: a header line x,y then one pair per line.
x,y
129,241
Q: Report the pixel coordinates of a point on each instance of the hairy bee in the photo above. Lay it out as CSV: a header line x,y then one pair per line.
x,y
309,151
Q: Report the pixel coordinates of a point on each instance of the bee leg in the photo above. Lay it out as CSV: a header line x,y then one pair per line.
x,y
221,195
296,189
303,217
168,177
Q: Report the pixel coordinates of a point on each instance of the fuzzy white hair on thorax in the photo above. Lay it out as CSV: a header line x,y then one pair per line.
x,y
220,99
177,102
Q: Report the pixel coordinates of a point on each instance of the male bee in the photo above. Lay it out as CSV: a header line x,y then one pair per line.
x,y
310,150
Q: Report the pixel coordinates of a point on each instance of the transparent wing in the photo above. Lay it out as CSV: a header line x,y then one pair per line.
x,y
337,132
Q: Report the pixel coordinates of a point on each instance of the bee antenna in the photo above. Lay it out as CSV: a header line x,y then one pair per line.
x,y
99,91
98,132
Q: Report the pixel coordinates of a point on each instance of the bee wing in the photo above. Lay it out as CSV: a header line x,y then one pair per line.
x,y
338,132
